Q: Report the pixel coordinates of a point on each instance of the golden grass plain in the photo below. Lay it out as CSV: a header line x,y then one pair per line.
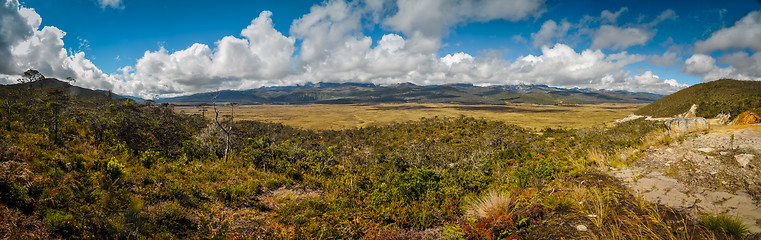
x,y
344,116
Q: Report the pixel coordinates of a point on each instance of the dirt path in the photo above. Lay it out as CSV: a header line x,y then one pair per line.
x,y
715,172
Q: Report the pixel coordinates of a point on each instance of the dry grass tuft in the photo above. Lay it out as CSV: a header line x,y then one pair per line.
x,y
598,156
654,138
492,204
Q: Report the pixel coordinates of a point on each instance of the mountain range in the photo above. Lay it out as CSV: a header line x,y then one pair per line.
x,y
364,93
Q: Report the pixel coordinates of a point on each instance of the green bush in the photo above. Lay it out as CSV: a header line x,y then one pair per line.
x,y
274,183
538,171
725,224
114,169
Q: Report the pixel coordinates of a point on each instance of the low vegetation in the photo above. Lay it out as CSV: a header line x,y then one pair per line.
x,y
102,169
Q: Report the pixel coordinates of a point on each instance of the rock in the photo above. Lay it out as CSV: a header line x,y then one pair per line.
x,y
744,159
693,112
724,153
629,118
705,150
747,118
581,228
723,118
681,126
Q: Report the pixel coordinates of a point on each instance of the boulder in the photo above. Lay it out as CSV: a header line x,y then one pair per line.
x,y
746,118
723,118
693,112
681,126
744,159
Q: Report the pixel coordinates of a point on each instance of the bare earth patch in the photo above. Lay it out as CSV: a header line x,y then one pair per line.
x,y
714,172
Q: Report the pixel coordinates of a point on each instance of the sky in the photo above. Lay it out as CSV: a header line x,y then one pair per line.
x,y
155,49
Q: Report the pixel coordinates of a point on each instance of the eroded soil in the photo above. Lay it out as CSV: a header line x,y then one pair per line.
x,y
714,172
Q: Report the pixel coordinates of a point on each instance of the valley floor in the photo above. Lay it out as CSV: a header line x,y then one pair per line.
x,y
343,116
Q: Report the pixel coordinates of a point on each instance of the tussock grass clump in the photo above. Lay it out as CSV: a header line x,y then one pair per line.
x,y
725,224
493,203
598,156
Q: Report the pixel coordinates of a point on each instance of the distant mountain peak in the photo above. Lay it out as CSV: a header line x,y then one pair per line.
x,y
368,93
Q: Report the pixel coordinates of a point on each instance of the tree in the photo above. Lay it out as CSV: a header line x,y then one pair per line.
x,y
224,130
202,109
31,76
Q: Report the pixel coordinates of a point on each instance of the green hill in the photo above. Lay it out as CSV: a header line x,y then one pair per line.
x,y
725,95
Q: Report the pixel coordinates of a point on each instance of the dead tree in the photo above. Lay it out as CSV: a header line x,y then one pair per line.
x,y
219,124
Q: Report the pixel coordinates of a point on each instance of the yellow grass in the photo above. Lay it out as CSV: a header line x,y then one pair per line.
x,y
341,116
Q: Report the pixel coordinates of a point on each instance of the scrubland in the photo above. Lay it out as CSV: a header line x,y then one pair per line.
x,y
87,169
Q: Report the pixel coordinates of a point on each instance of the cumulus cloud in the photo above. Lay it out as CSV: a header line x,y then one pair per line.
x,y
612,17
429,20
14,28
262,55
435,17
110,4
617,37
333,48
621,38
550,32
562,66
604,30
741,66
23,45
666,59
745,34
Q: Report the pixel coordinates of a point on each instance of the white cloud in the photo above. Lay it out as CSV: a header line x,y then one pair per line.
x,y
262,56
434,17
563,66
741,66
16,25
333,49
604,31
110,4
27,47
326,27
666,59
611,17
745,34
699,64
621,38
429,20
450,59
551,32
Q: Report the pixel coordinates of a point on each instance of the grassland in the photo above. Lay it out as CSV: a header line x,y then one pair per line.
x,y
341,116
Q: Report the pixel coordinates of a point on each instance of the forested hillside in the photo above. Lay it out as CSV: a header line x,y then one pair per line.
x,y
96,168
725,95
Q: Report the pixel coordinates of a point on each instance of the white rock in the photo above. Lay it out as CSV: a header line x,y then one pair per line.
x,y
592,215
705,150
744,159
581,228
723,153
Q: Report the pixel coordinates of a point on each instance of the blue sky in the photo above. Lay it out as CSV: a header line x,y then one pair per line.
x,y
168,48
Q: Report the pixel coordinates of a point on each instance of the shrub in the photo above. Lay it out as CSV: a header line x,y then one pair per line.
x,y
538,171
274,183
725,224
114,169
148,158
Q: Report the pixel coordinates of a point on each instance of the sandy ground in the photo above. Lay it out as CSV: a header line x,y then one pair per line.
x,y
710,172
